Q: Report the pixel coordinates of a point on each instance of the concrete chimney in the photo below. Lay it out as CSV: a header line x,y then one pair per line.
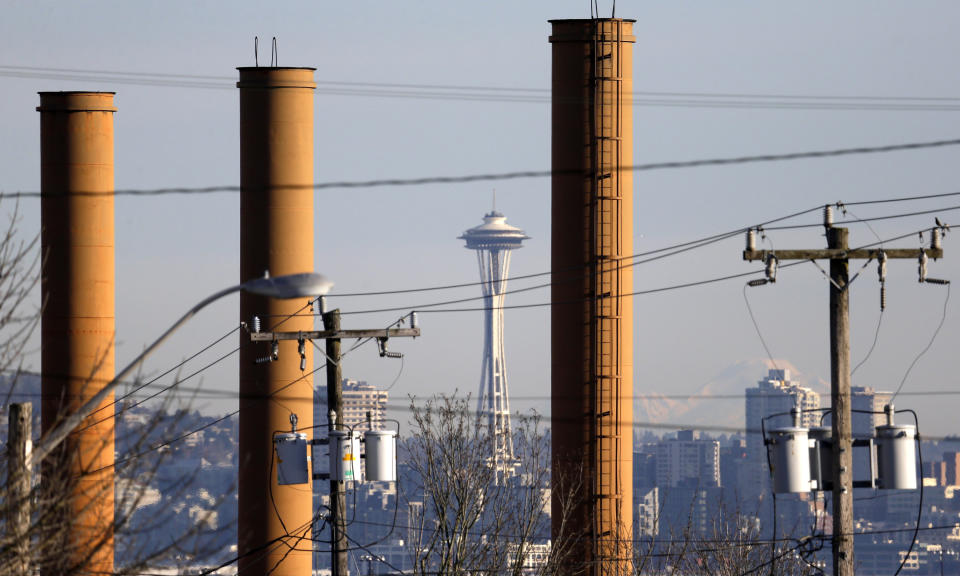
x,y
592,312
77,325
276,235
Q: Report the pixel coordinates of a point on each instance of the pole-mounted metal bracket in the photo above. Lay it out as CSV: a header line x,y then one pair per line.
x,y
336,334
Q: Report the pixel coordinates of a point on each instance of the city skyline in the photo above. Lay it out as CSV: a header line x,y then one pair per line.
x,y
174,134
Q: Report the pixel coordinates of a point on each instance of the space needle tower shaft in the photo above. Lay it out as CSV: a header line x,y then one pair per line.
x,y
493,241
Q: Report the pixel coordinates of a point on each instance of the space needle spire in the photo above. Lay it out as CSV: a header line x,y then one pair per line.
x,y
493,241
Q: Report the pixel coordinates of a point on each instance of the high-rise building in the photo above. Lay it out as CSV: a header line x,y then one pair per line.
x,y
935,471
647,519
689,461
951,461
359,399
776,394
866,405
493,241
866,399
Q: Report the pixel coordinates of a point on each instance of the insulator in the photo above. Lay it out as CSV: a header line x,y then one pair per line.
x,y
828,216
263,360
322,304
771,270
757,282
922,266
882,266
883,296
303,363
293,422
301,347
275,350
936,281
255,324
384,353
413,319
751,240
935,239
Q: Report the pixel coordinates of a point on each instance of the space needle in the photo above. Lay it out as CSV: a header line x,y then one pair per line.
x,y
493,241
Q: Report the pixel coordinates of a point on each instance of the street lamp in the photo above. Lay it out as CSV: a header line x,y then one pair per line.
x,y
305,285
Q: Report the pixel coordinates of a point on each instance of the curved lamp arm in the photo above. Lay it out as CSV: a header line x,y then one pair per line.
x,y
285,287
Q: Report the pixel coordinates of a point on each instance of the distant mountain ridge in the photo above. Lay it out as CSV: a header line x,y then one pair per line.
x,y
718,405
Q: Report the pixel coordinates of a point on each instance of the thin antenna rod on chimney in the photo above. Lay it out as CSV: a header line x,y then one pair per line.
x,y
274,55
256,59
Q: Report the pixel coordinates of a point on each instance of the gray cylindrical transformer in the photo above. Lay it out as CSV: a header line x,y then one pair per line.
x,y
821,461
345,456
381,457
292,461
790,460
896,457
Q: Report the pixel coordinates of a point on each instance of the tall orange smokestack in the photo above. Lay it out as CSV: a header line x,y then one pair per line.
x,y
77,327
276,234
592,313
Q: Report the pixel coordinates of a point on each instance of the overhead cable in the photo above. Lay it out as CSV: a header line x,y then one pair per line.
x,y
524,174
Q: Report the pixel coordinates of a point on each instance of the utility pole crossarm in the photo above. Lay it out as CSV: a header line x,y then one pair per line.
x,y
335,334
839,254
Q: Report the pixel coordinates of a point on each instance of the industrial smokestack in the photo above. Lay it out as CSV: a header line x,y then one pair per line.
x,y
592,312
276,235
77,323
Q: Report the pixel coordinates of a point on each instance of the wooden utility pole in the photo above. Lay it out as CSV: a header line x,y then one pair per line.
x,y
842,455
333,335
18,487
839,254
338,528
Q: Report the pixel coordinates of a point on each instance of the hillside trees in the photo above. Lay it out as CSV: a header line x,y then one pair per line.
x,y
471,520
35,519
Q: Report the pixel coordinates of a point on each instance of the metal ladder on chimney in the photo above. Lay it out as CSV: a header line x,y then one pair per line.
x,y
606,254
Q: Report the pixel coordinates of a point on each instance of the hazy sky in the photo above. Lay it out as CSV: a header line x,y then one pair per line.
x,y
174,250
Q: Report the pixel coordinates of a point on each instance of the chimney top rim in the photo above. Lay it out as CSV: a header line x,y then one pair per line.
x,y
574,20
246,68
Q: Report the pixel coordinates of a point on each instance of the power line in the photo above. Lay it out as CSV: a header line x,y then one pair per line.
x,y
426,308
933,339
272,395
437,304
202,393
479,93
691,243
675,248
517,89
161,375
524,174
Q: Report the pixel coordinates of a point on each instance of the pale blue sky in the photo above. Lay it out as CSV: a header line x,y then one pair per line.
x,y
174,250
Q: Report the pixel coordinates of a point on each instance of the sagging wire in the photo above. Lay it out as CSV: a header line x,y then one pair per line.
x,y
916,422
888,411
773,539
845,210
926,348
876,337
771,267
795,413
321,304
